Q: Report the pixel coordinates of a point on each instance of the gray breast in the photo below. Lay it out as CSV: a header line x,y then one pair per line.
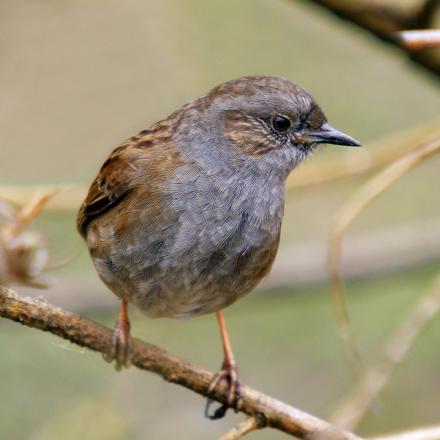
x,y
218,242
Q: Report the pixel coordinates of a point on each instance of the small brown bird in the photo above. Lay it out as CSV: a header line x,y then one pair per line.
x,y
184,218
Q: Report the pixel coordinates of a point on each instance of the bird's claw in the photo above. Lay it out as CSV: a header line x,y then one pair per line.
x,y
229,375
121,347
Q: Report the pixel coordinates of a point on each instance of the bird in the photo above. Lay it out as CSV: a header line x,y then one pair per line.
x,y
184,218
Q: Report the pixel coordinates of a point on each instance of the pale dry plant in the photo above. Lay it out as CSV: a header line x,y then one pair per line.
x,y
373,379
23,251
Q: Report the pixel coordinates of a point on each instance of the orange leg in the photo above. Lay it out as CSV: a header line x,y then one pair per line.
x,y
121,348
228,374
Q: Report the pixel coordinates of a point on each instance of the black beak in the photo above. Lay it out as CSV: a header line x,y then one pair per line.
x,y
329,135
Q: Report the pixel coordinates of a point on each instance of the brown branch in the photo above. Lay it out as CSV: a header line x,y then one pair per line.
x,y
87,333
355,406
384,19
426,14
243,428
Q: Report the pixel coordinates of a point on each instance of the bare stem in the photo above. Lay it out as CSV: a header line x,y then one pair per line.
x,y
348,214
356,404
383,19
425,433
419,39
87,333
243,428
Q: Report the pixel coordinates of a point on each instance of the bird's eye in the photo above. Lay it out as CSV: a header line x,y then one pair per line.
x,y
281,123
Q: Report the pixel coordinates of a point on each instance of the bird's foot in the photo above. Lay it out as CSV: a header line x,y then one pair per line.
x,y
121,347
228,374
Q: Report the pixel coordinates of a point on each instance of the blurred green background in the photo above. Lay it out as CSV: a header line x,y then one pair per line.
x,y
80,76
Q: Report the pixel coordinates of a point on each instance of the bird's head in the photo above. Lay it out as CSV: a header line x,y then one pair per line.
x,y
270,119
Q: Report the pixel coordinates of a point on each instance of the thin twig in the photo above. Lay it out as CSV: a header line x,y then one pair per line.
x,y
367,254
347,215
356,404
425,433
243,428
419,39
87,333
69,196
383,19
374,156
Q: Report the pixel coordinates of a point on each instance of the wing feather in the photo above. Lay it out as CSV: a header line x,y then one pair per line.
x,y
110,187
117,177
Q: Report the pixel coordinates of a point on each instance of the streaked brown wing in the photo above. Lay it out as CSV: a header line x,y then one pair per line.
x,y
117,176
109,188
